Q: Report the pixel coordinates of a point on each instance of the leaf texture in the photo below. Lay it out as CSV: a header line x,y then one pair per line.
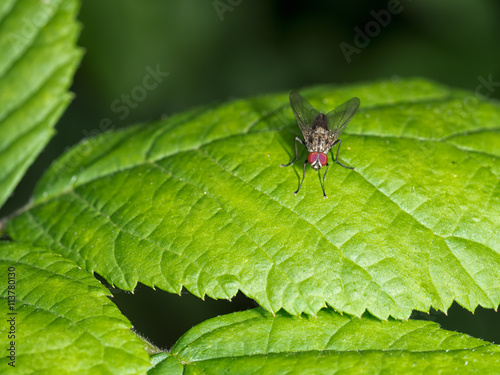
x,y
255,342
199,201
38,59
64,322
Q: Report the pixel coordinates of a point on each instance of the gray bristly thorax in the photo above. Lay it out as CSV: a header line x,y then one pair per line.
x,y
318,137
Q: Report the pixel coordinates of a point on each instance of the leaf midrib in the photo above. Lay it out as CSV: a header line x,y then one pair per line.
x,y
188,362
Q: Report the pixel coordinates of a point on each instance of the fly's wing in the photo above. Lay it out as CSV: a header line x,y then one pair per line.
x,y
339,118
304,112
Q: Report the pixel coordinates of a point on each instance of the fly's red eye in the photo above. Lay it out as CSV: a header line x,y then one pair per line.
x,y
313,156
323,159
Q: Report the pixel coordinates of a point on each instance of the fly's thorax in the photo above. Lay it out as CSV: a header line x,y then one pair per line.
x,y
317,159
319,140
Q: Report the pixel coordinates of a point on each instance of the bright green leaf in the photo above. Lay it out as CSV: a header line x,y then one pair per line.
x,y
255,342
199,201
37,61
64,321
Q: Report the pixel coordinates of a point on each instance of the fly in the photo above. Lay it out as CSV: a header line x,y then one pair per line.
x,y
321,132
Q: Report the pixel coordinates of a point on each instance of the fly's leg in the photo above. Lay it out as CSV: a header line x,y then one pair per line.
x,y
296,153
323,186
303,176
337,158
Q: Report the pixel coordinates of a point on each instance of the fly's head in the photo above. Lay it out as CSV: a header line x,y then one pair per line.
x,y
317,160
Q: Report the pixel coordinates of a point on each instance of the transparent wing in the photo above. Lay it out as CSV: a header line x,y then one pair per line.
x,y
304,112
339,118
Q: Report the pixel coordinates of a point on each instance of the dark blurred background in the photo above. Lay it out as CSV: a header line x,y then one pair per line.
x,y
221,49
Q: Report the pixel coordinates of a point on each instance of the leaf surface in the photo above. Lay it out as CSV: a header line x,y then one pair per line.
x,y
38,59
255,342
199,201
63,320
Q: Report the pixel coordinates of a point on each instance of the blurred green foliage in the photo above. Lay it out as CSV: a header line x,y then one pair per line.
x,y
258,47
274,45
270,46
